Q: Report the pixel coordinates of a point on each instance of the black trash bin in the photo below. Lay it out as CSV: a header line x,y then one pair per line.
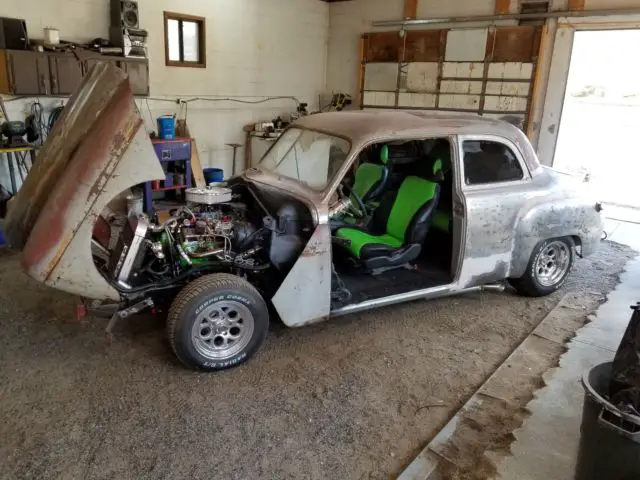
x,y
609,438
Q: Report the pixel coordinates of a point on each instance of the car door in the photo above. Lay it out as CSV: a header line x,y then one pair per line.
x,y
493,176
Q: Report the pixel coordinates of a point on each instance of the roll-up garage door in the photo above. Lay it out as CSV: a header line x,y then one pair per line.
x,y
486,71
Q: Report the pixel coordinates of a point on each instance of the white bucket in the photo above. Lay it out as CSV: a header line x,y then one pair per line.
x,y
51,36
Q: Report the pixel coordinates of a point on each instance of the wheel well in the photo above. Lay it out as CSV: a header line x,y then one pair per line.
x,y
577,245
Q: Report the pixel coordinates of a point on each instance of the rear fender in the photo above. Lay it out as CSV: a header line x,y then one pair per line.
x,y
565,218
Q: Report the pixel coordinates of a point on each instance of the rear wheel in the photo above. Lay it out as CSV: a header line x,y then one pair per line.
x,y
548,268
217,322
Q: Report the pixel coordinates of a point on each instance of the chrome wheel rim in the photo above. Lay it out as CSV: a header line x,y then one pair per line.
x,y
222,330
552,264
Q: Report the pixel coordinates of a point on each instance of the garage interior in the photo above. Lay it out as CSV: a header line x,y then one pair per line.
x,y
482,385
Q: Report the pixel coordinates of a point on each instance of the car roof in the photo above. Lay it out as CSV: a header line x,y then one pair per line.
x,y
363,126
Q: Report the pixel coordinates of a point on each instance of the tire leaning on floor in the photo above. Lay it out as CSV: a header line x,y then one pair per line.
x,y
549,266
217,322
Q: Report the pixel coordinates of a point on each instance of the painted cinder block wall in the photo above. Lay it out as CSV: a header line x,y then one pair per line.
x,y
255,49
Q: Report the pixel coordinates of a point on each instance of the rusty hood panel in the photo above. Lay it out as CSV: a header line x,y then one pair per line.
x,y
97,149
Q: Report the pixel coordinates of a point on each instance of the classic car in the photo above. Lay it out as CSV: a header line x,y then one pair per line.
x,y
347,211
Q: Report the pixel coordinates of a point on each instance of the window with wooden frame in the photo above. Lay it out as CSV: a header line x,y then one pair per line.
x,y
184,40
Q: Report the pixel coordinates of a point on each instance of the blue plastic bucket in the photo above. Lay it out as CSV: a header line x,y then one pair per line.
x,y
213,175
167,127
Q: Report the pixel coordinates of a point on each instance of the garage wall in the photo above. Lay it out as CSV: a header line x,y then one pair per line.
x,y
255,49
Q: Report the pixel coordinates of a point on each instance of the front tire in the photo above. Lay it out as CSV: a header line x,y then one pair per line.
x,y
217,322
548,268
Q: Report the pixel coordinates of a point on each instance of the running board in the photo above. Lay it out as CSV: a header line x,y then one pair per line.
x,y
426,294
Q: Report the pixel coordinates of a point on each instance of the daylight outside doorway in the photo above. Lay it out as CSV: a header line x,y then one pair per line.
x,y
600,122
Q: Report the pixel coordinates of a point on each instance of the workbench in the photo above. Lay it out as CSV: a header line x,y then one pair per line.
x,y
20,153
169,151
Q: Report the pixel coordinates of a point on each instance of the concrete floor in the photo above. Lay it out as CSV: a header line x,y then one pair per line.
x,y
357,397
546,445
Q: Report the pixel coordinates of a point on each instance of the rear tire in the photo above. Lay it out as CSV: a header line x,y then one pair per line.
x,y
217,322
549,266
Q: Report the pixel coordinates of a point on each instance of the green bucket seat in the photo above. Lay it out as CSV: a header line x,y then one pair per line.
x,y
371,178
399,226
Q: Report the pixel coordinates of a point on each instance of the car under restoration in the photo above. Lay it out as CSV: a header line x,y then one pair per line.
x,y
346,212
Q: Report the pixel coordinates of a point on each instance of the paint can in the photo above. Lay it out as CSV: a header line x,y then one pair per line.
x,y
167,127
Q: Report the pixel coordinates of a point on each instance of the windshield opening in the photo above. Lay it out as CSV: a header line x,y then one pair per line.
x,y
310,157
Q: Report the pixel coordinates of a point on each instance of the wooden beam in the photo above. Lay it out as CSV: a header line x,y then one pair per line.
x,y
536,98
410,9
502,7
577,4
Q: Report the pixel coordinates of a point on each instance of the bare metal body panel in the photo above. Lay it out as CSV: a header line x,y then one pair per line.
x,y
305,295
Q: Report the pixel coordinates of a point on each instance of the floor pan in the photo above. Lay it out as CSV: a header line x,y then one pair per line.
x,y
365,287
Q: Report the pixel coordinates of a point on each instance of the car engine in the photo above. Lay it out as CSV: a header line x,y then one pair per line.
x,y
211,233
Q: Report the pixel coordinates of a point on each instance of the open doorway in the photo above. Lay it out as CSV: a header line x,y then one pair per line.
x,y
601,116
399,237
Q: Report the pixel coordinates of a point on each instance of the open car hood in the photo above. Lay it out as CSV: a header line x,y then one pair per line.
x,y
98,148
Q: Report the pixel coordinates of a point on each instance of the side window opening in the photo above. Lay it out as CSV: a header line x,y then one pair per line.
x,y
490,162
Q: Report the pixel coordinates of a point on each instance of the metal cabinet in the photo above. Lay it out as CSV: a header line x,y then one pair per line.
x,y
91,62
23,72
65,73
28,73
138,71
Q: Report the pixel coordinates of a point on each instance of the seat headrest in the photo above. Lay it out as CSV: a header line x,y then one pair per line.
x,y
434,172
384,154
437,166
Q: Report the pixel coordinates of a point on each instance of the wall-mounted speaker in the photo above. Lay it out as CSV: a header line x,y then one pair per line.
x,y
125,32
13,33
124,13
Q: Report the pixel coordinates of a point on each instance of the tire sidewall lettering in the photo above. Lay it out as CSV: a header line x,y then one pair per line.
x,y
227,363
218,298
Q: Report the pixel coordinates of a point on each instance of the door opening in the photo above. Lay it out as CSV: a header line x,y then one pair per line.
x,y
601,115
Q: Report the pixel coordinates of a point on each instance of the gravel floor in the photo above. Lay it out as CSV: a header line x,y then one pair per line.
x,y
357,397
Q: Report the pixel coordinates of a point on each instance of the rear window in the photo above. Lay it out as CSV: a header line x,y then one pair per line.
x,y
490,162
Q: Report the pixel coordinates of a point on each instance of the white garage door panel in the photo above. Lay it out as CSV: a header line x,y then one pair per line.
x,y
417,100
468,45
505,104
463,70
461,86
422,77
511,71
379,99
381,76
460,102
516,89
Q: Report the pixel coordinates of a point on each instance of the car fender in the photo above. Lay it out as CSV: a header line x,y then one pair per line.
x,y
96,150
546,218
304,297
